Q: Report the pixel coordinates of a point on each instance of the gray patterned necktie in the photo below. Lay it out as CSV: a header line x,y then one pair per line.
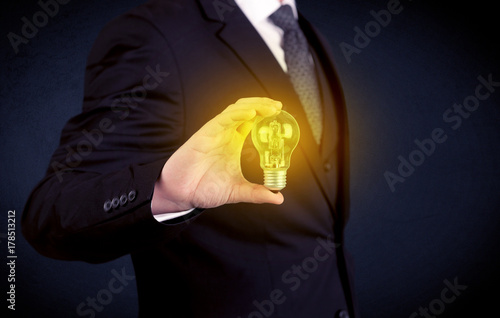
x,y
300,69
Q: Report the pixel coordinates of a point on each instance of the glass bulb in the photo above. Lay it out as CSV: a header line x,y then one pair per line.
x,y
275,138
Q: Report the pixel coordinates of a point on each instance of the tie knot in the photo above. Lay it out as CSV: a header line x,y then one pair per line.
x,y
283,18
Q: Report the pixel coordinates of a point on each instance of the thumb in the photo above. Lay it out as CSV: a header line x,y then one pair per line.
x,y
256,193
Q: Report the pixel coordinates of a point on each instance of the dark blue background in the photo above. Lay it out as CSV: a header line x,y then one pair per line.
x,y
442,223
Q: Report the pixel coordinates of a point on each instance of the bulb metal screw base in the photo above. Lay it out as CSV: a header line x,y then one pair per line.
x,y
274,180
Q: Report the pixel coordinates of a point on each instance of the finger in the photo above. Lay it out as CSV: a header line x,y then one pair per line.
x,y
245,128
256,193
234,118
257,100
263,106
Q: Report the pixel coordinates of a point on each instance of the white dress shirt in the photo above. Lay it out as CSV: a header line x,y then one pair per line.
x,y
257,12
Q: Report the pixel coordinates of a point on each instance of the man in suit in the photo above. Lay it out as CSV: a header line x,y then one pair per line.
x,y
152,168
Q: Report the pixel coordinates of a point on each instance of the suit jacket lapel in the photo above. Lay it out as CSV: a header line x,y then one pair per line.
x,y
340,146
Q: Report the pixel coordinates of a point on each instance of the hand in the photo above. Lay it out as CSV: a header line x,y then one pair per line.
x,y
205,172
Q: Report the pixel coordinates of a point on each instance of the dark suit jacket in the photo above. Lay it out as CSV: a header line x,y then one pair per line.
x,y
154,76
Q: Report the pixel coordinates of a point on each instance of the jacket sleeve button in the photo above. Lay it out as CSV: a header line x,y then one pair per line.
x,y
107,206
123,200
131,195
115,202
342,314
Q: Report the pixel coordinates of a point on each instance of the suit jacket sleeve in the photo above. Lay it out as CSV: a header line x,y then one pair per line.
x,y
94,203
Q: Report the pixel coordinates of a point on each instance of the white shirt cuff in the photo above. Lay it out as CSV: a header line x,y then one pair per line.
x,y
169,216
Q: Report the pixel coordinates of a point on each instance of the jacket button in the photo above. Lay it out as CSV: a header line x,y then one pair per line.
x,y
107,206
131,195
115,202
123,200
342,314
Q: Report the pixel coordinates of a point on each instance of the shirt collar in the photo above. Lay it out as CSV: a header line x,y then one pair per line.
x,y
259,10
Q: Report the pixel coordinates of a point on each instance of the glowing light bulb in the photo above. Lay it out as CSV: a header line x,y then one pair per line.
x,y
275,138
